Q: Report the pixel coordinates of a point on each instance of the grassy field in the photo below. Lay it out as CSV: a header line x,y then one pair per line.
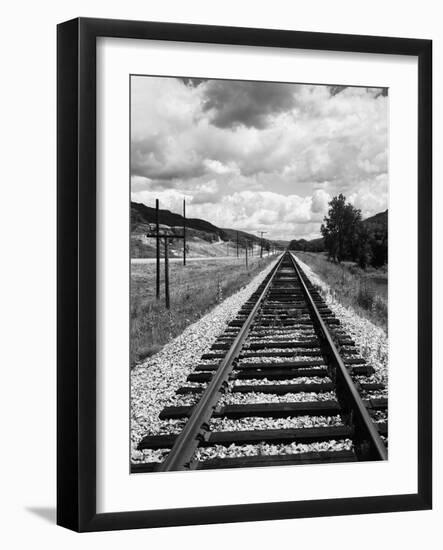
x,y
194,290
366,291
141,247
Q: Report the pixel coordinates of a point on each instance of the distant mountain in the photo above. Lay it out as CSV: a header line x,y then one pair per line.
x,y
378,221
142,214
376,224
242,236
314,245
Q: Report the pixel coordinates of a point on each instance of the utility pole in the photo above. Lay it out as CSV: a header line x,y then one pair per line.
x,y
237,244
166,274
184,232
246,248
261,243
157,238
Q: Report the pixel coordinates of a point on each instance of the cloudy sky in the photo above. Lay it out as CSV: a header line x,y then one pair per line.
x,y
258,156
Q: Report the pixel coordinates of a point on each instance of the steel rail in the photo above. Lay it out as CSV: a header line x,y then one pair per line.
x,y
187,441
366,435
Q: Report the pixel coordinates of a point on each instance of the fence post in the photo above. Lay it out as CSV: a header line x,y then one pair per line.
x,y
166,273
157,238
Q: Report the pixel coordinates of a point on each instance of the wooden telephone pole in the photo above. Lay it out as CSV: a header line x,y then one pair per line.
x,y
184,232
166,274
261,243
158,236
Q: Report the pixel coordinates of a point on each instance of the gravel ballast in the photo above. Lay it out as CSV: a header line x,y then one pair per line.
x,y
280,381
372,341
154,382
233,451
276,359
257,397
225,424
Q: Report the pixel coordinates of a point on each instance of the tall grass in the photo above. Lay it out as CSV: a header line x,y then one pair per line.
x,y
194,290
366,291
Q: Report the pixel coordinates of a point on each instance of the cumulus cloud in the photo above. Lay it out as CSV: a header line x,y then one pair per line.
x,y
320,201
219,168
371,196
233,103
258,156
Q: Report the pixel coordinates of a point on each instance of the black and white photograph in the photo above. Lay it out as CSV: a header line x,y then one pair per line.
x,y
244,278
225,325
258,273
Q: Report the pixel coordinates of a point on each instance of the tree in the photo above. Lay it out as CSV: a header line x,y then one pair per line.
x,y
341,230
379,246
364,251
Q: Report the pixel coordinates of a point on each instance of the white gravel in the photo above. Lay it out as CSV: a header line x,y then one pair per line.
x,y
183,400
232,451
196,384
295,351
209,362
276,360
281,337
150,455
168,426
379,416
376,394
238,398
281,382
226,424
372,379
282,359
372,341
299,332
155,381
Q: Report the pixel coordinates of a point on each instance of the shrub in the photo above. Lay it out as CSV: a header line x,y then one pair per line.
x,y
365,297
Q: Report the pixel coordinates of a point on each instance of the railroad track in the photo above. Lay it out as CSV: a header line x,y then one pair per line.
x,y
281,385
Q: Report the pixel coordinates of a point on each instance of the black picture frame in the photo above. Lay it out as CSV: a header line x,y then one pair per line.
x,y
76,279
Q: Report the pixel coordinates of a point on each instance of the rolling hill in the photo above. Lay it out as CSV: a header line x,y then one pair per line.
x,y
378,221
314,245
203,238
142,214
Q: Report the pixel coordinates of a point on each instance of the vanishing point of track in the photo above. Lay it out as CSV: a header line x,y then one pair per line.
x,y
260,345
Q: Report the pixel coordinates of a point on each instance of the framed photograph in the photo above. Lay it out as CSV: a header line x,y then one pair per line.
x,y
244,274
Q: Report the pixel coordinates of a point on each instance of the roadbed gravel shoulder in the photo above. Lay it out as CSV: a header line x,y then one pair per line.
x,y
155,381
372,341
